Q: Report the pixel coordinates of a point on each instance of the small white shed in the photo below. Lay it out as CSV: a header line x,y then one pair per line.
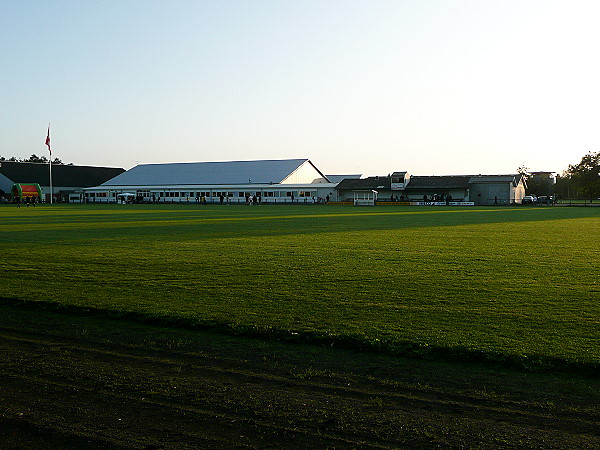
x,y
365,198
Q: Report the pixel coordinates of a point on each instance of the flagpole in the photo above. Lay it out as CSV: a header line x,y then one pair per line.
x,y
49,162
50,166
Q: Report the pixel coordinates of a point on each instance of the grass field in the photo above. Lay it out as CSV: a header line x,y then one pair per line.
x,y
521,284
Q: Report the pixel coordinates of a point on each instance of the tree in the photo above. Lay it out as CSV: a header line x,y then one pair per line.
x,y
523,170
33,159
564,186
537,183
540,183
36,159
585,176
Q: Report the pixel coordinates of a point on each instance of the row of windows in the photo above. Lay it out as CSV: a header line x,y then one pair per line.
x,y
239,194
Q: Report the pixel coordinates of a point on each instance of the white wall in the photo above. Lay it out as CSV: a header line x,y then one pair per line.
x,y
305,174
279,193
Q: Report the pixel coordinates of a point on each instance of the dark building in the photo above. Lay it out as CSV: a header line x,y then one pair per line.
x,y
400,186
67,180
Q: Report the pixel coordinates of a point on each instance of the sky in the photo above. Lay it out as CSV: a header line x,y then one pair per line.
x,y
371,87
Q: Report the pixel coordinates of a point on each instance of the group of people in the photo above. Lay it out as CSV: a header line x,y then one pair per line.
x,y
28,200
253,200
438,198
426,198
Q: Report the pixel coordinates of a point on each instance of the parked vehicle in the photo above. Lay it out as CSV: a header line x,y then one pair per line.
x,y
529,200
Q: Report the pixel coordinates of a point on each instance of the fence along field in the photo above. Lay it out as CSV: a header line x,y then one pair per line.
x,y
520,284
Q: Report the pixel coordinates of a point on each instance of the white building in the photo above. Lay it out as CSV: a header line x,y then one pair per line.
x,y
267,181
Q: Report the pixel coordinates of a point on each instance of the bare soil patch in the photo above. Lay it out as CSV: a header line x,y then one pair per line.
x,y
91,382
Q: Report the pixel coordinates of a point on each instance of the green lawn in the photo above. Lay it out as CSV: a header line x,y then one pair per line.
x,y
522,282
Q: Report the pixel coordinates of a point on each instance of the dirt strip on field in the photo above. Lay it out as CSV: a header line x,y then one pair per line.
x,y
71,381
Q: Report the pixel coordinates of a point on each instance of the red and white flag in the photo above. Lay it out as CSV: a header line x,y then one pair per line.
x,y
48,140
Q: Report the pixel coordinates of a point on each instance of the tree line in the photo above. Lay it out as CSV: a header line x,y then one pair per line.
x,y
33,159
581,180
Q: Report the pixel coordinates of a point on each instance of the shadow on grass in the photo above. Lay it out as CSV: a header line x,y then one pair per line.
x,y
525,363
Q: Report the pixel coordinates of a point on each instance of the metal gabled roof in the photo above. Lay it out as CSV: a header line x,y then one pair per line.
x,y
496,179
207,173
364,183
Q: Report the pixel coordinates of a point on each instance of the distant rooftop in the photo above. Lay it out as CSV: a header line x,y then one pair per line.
x,y
426,182
338,178
62,174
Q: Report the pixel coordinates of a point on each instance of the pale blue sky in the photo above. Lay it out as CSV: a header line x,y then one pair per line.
x,y
371,87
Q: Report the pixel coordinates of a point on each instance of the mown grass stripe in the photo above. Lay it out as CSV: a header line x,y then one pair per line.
x,y
523,284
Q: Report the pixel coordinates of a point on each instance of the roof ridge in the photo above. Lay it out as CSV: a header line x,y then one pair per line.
x,y
223,162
